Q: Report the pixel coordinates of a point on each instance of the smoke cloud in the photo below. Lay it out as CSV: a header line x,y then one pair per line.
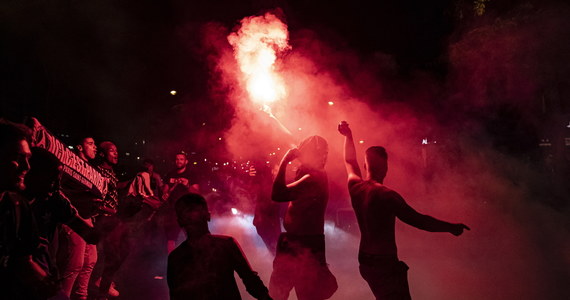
x,y
519,244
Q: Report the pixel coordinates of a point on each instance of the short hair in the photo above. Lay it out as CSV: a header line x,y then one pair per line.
x,y
79,141
11,132
377,159
104,146
378,151
190,201
183,154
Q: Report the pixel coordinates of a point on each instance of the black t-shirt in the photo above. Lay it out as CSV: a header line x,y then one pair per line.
x,y
204,270
175,187
52,211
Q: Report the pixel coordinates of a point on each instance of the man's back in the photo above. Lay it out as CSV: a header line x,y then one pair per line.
x,y
375,206
204,269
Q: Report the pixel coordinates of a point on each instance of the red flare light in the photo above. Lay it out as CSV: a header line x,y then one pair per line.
x,y
256,46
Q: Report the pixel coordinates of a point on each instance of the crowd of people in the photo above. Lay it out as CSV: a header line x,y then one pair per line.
x,y
54,232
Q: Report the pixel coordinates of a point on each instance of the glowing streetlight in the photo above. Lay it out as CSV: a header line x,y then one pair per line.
x,y
331,103
173,93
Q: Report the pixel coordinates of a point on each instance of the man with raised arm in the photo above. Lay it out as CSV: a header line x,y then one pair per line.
x,y
376,207
300,260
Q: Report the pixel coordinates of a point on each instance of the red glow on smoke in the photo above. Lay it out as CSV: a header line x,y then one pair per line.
x,y
257,44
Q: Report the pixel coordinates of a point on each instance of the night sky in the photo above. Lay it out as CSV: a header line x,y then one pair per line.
x,y
106,68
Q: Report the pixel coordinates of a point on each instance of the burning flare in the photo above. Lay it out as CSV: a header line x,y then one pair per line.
x,y
256,45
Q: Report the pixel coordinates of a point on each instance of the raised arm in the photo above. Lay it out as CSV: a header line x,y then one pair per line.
x,y
411,217
281,189
350,161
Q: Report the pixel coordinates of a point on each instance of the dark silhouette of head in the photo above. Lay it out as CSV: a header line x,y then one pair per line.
x,y
376,163
148,165
14,155
192,213
45,172
313,152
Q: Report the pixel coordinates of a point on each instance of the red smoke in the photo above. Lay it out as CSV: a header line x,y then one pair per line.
x,y
512,252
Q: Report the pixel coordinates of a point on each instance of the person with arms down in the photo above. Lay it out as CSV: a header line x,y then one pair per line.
x,y
202,267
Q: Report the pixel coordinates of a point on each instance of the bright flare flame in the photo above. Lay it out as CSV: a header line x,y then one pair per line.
x,y
256,46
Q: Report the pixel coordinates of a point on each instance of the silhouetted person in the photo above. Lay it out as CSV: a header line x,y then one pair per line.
x,y
177,182
23,272
376,207
156,183
300,261
202,267
266,219
51,208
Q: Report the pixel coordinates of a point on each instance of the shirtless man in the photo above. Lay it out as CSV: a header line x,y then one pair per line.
x,y
300,260
376,207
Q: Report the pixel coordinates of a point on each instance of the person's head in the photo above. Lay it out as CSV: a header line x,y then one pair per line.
x,y
109,153
181,160
44,175
14,155
376,163
86,148
192,212
313,152
148,165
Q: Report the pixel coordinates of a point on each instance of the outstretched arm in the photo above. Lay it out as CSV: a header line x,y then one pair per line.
x,y
411,217
350,161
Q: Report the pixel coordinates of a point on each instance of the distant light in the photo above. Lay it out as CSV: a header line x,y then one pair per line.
x,y
568,126
331,103
361,141
138,157
300,128
205,159
214,190
267,162
219,139
290,162
204,124
234,211
158,277
424,141
144,142
195,162
278,149
70,147
173,93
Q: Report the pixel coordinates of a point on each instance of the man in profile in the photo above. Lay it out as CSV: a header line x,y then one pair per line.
x,y
376,207
300,260
177,182
203,266
23,272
